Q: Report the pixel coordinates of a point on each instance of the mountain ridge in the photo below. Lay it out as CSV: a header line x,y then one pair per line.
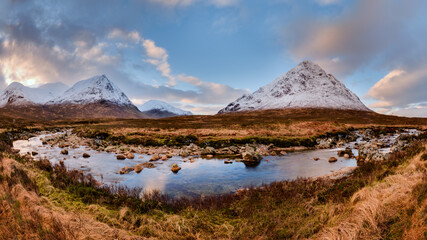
x,y
305,86
161,109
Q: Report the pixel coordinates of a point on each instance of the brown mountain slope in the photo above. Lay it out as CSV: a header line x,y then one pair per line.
x,y
102,109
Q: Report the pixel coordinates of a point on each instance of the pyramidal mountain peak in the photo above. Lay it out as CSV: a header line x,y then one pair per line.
x,y
97,88
305,86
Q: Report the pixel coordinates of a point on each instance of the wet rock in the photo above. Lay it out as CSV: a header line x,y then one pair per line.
x,y
148,165
183,153
164,158
234,149
175,168
138,168
130,155
155,157
228,162
209,151
120,157
34,153
283,153
251,156
347,151
347,155
324,143
209,156
126,170
86,155
64,152
169,155
185,160
369,152
333,159
316,159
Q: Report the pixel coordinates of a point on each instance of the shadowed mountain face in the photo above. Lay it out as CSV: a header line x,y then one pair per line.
x,y
100,109
156,113
305,86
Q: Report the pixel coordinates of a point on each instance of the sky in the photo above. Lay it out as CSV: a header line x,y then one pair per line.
x,y
200,55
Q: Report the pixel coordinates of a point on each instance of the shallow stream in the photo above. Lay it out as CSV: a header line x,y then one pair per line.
x,y
203,176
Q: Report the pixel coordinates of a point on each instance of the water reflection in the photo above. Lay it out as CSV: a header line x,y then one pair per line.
x,y
200,177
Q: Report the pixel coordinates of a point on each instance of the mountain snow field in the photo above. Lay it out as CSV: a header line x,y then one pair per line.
x,y
305,86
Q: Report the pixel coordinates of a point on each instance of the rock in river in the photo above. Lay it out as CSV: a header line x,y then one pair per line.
x,y
333,159
138,168
155,157
86,155
175,168
120,157
126,170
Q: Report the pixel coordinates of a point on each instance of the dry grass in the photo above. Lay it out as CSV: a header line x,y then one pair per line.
x,y
372,208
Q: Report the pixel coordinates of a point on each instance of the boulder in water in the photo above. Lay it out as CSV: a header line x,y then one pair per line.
x,y
175,168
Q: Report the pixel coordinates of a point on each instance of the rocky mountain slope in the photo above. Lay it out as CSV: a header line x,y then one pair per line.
x,y
98,88
96,97
18,94
160,109
305,86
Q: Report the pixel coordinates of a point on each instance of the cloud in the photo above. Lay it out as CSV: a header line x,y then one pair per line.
x,y
400,88
118,33
377,32
37,48
158,57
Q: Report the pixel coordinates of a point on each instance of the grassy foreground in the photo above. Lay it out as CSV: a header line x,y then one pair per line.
x,y
381,200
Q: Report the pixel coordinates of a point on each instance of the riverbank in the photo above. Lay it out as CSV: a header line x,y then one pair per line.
x,y
302,208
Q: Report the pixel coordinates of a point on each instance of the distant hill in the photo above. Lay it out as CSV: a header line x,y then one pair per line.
x,y
160,109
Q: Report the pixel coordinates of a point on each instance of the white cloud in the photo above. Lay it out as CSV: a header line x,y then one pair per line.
x,y
400,88
159,58
133,36
377,32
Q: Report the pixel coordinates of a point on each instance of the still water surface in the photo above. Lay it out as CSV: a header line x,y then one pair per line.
x,y
200,177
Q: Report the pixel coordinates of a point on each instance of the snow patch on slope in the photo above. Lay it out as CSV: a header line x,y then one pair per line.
x,y
18,94
92,90
305,86
163,106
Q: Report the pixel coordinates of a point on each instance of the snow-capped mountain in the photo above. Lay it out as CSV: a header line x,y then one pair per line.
x,y
96,97
160,109
95,89
305,86
18,94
